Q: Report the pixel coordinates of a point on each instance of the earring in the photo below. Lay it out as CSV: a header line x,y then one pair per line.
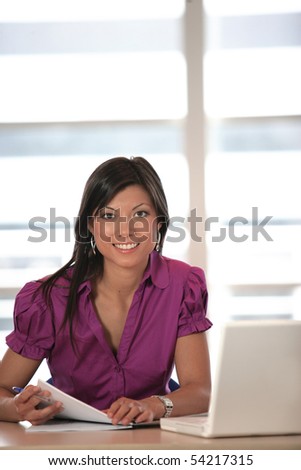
x,y
158,247
93,245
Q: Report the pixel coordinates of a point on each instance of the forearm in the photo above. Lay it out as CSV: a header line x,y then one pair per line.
x,y
189,399
193,396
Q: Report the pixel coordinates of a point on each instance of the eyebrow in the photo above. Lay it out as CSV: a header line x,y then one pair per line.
x,y
136,207
142,204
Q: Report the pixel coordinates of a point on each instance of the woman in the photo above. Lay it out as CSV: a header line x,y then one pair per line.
x,y
114,321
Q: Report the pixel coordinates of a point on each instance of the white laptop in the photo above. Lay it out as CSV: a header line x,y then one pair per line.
x,y
257,383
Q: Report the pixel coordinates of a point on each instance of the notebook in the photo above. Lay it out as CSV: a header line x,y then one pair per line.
x,y
257,383
77,410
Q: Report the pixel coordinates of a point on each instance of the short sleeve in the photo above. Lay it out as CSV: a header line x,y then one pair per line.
x,y
33,334
193,311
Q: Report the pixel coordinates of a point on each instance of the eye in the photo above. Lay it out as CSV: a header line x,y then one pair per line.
x,y
141,214
108,216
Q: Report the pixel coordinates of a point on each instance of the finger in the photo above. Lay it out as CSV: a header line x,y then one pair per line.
x,y
39,416
23,401
44,394
127,413
119,414
145,417
115,406
27,393
31,410
33,396
24,405
133,411
49,411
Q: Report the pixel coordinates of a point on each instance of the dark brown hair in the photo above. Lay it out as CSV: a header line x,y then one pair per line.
x,y
105,182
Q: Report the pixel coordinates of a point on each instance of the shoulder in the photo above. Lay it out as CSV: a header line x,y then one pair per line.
x,y
182,270
177,275
189,284
33,291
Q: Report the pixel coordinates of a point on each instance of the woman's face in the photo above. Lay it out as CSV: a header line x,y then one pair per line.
x,y
126,230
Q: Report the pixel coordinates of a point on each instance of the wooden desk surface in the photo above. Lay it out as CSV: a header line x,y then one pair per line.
x,y
14,436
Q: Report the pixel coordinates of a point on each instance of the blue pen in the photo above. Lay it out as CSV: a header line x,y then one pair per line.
x,y
17,390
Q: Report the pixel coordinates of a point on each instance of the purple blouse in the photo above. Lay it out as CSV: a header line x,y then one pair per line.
x,y
170,302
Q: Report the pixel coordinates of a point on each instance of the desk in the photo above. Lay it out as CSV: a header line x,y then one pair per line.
x,y
14,436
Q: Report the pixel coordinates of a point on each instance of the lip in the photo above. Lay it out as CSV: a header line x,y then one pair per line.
x,y
126,247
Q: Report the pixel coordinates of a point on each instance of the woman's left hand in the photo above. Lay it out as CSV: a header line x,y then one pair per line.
x,y
125,410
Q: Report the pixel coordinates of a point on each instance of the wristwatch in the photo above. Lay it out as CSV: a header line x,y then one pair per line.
x,y
168,404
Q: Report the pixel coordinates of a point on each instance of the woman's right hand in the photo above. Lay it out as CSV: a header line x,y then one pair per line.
x,y
27,406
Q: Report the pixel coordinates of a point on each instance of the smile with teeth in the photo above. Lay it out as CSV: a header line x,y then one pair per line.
x,y
126,246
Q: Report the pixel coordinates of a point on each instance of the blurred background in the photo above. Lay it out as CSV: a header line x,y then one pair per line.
x,y
208,92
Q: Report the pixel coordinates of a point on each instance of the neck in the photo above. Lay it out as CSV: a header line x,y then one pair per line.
x,y
121,281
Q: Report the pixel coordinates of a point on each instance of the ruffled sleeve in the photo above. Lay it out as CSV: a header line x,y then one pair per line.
x,y
194,305
33,334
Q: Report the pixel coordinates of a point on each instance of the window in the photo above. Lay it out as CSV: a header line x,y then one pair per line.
x,y
253,158
82,82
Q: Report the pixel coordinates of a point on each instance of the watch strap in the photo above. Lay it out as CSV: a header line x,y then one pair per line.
x,y
168,405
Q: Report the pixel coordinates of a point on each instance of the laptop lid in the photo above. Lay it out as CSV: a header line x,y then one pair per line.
x,y
257,386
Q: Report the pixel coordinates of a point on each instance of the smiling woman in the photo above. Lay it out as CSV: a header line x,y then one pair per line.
x,y
130,228
118,316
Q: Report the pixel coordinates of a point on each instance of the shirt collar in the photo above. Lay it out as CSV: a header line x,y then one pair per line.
x,y
64,284
157,270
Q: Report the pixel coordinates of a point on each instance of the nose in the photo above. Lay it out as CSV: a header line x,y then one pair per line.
x,y
123,229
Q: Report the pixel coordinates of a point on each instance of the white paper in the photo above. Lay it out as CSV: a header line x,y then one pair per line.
x,y
60,425
73,408
78,416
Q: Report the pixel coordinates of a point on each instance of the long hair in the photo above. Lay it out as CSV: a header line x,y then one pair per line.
x,y
105,182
